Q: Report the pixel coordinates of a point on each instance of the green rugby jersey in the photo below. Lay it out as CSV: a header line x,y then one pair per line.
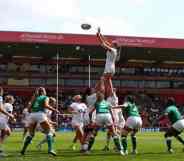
x,y
102,107
38,104
173,113
130,109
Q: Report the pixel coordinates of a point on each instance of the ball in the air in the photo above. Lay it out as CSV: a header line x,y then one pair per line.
x,y
85,26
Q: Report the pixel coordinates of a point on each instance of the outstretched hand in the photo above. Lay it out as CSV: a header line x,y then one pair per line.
x,y
98,30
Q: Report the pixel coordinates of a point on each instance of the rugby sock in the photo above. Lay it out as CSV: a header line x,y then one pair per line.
x,y
108,140
50,142
124,142
26,143
134,142
168,143
179,138
91,142
117,142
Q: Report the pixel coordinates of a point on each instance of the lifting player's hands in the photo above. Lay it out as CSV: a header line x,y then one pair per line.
x,y
12,118
98,30
57,111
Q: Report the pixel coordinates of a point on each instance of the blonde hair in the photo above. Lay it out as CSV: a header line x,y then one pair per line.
x,y
9,99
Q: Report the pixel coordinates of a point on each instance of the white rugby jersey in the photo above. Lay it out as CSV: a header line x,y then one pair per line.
x,y
110,58
80,109
8,108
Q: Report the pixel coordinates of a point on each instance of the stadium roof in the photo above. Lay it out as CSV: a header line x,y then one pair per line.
x,y
75,45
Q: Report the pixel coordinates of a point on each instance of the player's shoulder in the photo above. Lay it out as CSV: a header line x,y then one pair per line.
x,y
112,49
73,104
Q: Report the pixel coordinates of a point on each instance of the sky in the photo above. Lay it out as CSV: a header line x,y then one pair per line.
x,y
145,18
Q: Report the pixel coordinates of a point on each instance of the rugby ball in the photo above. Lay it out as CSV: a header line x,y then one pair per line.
x,y
85,26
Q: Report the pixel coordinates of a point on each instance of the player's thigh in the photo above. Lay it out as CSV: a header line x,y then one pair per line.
x,y
108,120
133,122
3,124
179,125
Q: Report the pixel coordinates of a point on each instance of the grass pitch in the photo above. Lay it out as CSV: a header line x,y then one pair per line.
x,y
151,147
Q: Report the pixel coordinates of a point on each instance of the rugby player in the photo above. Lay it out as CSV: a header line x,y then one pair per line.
x,y
38,104
78,109
177,122
133,123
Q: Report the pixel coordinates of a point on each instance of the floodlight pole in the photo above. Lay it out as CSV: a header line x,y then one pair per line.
x,y
57,84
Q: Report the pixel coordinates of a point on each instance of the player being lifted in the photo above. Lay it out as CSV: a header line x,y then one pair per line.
x,y
177,126
38,104
111,55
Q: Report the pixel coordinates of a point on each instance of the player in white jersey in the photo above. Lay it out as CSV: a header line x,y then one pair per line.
x,y
78,109
4,118
90,101
111,55
119,120
25,121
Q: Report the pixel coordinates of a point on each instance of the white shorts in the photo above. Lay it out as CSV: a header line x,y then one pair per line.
x,y
179,125
77,122
109,69
134,122
37,117
26,123
3,124
103,119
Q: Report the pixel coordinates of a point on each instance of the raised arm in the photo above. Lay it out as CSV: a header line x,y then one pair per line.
x,y
47,106
107,45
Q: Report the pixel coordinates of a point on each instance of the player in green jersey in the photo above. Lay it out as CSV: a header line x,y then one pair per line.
x,y
133,123
105,118
37,106
177,122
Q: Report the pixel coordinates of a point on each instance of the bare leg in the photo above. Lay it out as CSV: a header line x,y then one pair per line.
x,y
100,86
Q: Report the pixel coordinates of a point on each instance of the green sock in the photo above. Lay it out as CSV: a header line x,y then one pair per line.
x,y
117,142
91,142
168,143
50,142
134,142
124,142
26,143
